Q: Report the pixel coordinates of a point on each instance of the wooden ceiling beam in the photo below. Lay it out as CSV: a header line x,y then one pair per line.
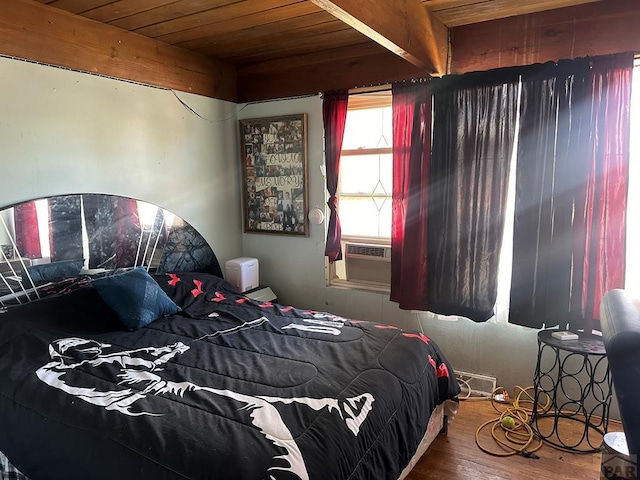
x,y
48,35
404,27
596,28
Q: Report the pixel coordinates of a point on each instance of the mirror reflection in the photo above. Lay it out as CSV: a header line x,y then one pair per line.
x,y
51,239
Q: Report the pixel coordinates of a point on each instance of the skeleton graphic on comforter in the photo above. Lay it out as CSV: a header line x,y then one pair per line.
x,y
143,367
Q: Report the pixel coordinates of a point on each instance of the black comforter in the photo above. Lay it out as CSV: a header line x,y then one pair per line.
x,y
229,388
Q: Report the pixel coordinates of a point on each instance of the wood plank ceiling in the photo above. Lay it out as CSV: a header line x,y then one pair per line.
x,y
287,47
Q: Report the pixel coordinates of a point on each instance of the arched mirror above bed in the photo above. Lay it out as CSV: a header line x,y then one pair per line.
x,y
49,239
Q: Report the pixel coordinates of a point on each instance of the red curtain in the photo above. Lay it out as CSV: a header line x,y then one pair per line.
x,y
27,232
604,266
334,115
411,159
128,232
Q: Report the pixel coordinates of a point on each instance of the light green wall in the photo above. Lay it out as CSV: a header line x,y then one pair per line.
x,y
67,132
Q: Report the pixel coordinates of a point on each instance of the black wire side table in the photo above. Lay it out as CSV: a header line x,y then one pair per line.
x,y
572,378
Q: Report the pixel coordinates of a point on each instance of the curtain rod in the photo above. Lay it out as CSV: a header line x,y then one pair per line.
x,y
383,87
372,89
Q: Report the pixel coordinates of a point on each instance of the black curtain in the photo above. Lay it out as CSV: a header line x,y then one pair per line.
x,y
570,196
65,228
101,232
474,124
554,126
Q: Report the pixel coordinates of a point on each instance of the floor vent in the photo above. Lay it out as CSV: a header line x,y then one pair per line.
x,y
475,385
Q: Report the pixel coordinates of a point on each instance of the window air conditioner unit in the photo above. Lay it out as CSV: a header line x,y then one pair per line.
x,y
368,263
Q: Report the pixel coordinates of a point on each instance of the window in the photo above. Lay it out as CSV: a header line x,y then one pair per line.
x,y
632,277
364,193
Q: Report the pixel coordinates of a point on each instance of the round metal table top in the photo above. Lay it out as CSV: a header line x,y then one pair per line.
x,y
586,344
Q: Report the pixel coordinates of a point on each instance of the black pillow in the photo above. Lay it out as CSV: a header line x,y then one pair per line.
x,y
52,272
135,297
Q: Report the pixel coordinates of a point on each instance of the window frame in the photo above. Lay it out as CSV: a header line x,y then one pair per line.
x,y
362,99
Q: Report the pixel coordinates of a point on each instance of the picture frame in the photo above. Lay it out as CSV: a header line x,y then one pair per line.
x,y
275,192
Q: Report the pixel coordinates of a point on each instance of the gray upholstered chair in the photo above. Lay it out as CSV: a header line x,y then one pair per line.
x,y
620,320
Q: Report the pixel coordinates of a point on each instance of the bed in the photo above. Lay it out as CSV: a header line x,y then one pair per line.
x,y
167,371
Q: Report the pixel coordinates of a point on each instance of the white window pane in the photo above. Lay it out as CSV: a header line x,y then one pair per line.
x,y
386,172
366,180
370,128
361,174
632,280
360,217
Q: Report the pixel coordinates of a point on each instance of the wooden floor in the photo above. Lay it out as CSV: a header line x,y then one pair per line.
x,y
455,456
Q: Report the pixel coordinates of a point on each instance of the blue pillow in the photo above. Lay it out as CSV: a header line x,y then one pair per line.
x,y
135,297
53,272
